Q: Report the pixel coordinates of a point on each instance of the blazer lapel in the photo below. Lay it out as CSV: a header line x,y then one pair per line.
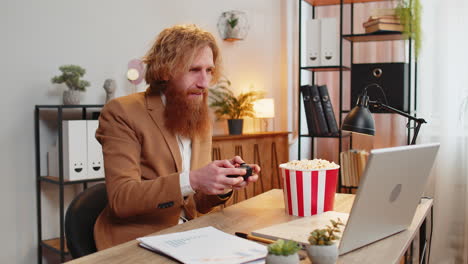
x,y
155,108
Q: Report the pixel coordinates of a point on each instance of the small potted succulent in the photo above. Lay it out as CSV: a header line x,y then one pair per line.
x,y
232,107
283,252
322,248
71,75
232,31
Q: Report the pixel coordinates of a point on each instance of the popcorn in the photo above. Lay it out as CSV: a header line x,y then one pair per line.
x,y
315,164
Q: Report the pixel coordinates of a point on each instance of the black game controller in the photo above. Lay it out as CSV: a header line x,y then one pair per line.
x,y
247,174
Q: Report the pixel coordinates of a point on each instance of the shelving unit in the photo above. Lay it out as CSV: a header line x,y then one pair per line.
x,y
56,245
325,68
341,68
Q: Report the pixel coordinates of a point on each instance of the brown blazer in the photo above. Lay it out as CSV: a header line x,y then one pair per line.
x,y
142,163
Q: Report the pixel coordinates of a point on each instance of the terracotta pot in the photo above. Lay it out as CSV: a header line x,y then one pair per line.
x,y
71,97
323,254
278,259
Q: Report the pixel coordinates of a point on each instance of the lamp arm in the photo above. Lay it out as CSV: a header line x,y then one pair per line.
x,y
384,106
416,131
419,121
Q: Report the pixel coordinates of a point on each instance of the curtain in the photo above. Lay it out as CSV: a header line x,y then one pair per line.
x,y
443,102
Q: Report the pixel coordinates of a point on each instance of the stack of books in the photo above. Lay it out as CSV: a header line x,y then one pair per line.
x,y
383,20
353,163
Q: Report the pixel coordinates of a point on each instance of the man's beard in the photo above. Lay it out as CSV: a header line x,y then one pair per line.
x,y
184,116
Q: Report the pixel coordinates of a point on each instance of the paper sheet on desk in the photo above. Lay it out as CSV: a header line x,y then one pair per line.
x,y
299,229
205,245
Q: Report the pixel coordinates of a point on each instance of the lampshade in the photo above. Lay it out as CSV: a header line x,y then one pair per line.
x,y
264,108
359,119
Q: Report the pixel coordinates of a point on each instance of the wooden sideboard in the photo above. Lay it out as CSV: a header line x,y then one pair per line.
x,y
267,149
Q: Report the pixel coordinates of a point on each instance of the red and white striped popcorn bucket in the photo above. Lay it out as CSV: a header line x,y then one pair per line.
x,y
309,192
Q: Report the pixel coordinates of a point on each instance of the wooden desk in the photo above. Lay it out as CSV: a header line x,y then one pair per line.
x,y
262,211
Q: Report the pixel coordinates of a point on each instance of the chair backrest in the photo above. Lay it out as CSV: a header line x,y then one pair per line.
x,y
80,218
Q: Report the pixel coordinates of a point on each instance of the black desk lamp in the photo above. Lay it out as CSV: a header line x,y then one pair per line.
x,y
360,119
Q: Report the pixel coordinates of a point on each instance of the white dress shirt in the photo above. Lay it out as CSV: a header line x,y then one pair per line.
x,y
185,147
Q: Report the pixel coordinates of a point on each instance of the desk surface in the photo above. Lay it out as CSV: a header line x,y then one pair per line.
x,y
262,211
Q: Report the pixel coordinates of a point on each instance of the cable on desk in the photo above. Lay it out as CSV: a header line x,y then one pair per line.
x,y
423,252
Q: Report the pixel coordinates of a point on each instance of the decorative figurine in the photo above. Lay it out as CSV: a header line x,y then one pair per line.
x,y
109,87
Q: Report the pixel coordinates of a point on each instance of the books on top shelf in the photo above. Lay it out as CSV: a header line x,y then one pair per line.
x,y
318,108
390,21
353,163
384,27
383,20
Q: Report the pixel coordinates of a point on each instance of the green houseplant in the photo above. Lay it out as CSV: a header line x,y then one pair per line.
x,y
283,252
232,20
232,30
231,107
322,248
409,12
71,76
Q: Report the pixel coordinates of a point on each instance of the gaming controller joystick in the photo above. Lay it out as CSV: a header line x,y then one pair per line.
x,y
247,174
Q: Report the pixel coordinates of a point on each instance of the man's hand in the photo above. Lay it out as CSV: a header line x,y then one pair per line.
x,y
212,178
236,161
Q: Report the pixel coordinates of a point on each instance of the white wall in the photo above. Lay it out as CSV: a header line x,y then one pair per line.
x,y
102,36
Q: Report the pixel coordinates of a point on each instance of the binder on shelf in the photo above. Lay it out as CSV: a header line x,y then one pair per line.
x,y
329,44
94,149
82,153
313,42
308,109
317,111
74,150
328,110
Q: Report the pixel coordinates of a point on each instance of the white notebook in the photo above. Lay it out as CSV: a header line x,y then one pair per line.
x,y
299,230
205,245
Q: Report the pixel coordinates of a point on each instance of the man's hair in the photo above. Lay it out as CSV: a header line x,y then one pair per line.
x,y
174,51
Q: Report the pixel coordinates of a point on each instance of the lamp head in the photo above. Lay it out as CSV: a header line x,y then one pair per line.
x,y
359,119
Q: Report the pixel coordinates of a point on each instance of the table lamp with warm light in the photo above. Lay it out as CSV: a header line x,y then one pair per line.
x,y
360,120
264,108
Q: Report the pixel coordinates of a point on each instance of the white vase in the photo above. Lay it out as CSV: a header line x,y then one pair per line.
x,y
232,33
71,97
323,254
278,259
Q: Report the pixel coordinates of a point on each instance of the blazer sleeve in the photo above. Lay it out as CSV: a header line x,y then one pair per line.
x,y
128,194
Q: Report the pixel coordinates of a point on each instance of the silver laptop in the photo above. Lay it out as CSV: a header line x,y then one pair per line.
x,y
390,190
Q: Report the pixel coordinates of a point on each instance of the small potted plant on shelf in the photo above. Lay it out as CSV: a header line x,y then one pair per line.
x,y
71,76
234,108
409,12
283,252
322,248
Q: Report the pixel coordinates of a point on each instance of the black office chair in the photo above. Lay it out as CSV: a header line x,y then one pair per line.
x,y
80,218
